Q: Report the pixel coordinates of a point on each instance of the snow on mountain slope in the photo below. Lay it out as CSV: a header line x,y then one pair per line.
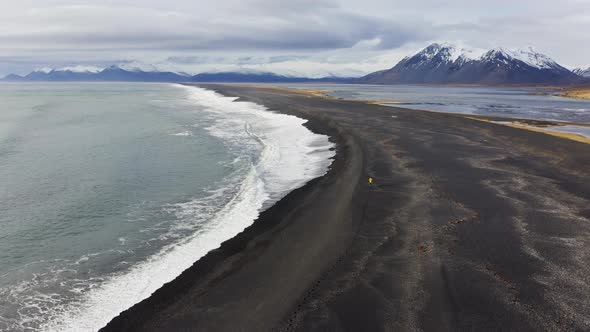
x,y
447,63
81,69
452,53
531,58
584,72
43,70
445,52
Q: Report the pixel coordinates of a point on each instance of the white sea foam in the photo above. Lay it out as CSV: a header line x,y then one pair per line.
x,y
289,156
184,133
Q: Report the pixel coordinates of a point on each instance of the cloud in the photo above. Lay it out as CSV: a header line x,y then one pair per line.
x,y
119,28
343,36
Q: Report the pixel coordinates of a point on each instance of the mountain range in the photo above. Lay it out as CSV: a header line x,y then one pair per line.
x,y
435,64
118,74
448,64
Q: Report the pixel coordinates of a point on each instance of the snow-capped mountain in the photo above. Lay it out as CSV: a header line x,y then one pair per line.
x,y
132,73
89,73
584,72
448,64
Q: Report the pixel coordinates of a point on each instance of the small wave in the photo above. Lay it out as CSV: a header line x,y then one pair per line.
x,y
576,110
183,133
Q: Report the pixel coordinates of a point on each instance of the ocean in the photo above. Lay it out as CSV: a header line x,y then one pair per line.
x,y
110,190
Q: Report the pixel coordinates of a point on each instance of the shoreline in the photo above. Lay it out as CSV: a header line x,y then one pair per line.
x,y
469,225
576,93
531,124
267,222
544,127
255,185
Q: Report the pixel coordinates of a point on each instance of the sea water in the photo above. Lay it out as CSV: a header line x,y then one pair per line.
x,y
511,102
108,191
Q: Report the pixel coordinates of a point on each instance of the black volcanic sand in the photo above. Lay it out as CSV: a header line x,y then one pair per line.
x,y
469,225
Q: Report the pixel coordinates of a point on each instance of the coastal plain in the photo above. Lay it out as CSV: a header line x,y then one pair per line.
x,y
469,225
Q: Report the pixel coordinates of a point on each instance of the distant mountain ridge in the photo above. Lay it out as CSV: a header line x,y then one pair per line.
x,y
118,74
436,64
238,77
448,64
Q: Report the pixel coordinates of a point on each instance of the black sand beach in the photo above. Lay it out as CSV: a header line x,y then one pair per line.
x,y
470,225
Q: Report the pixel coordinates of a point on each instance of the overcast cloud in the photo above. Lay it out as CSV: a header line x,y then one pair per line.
x,y
298,37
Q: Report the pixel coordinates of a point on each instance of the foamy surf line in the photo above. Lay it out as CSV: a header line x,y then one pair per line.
x,y
290,156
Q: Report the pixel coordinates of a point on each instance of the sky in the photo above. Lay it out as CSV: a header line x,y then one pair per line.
x,y
297,37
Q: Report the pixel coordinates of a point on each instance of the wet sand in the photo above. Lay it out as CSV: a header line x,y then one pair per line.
x,y
469,225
